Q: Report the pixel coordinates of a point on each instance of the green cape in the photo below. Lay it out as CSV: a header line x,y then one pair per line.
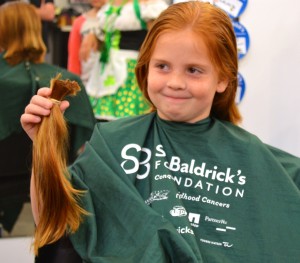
x,y
161,191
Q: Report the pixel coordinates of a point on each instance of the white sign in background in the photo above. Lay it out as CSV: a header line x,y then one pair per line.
x,y
232,7
271,69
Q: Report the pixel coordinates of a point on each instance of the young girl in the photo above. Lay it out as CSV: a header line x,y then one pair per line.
x,y
184,183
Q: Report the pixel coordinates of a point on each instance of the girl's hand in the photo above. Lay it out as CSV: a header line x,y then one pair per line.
x,y
39,106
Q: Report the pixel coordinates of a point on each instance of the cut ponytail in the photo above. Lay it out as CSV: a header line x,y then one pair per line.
x,y
58,202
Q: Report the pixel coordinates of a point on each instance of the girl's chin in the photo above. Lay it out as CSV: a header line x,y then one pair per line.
x,y
171,116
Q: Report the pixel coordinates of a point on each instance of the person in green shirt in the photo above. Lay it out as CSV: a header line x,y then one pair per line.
x,y
184,183
22,72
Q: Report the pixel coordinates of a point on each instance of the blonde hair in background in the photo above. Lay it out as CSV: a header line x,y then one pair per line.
x,y
58,202
215,28
21,33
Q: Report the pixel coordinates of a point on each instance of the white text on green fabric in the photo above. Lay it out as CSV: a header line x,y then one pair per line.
x,y
138,160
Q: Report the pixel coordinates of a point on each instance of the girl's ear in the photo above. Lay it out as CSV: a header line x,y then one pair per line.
x,y
222,85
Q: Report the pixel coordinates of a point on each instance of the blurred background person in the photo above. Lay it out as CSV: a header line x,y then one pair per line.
x,y
82,25
112,87
46,11
22,72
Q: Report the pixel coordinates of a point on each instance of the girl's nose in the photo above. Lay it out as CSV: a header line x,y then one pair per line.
x,y
176,81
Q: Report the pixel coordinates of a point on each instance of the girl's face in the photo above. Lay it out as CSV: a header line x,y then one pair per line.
x,y
182,81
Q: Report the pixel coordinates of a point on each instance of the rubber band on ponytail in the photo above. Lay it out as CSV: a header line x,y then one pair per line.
x,y
55,101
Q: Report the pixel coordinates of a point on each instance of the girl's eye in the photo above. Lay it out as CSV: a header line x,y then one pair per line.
x,y
194,70
161,66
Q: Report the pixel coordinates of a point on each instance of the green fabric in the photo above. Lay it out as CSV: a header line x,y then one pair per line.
x,y
128,101
208,192
137,11
112,36
19,83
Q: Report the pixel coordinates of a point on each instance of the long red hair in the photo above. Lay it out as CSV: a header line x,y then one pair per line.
x,y
58,202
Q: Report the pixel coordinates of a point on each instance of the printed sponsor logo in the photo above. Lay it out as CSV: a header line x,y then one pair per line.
x,y
226,244
217,243
225,229
194,219
222,222
214,220
157,196
178,211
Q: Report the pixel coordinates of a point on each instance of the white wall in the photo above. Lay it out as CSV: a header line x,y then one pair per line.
x,y
271,69
16,250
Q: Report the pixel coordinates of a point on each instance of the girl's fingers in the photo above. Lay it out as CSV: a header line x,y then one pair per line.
x,y
29,119
44,92
42,100
39,109
40,105
64,105
28,122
